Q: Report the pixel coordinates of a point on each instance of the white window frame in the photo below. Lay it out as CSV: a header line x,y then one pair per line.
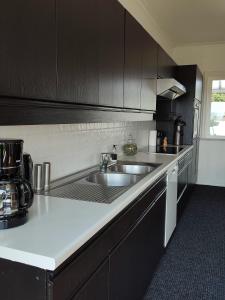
x,y
206,107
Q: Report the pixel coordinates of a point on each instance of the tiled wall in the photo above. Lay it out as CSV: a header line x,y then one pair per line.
x,y
73,147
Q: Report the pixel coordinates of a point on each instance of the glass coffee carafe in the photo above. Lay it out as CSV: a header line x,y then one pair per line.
x,y
16,194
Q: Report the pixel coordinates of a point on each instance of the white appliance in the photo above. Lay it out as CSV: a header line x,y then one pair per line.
x,y
171,203
170,88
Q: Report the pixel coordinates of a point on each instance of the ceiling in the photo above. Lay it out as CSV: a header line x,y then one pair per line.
x,y
189,21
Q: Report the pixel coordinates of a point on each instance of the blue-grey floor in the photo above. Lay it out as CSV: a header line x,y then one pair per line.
x,y
193,266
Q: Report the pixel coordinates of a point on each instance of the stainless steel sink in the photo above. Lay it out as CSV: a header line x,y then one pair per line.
x,y
138,169
92,185
113,179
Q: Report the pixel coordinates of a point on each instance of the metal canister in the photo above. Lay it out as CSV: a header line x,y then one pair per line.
x,y
46,175
38,178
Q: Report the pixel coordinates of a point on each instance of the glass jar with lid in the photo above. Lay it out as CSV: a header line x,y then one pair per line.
x,y
131,147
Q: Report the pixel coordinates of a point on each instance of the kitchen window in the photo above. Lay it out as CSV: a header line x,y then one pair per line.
x,y
214,126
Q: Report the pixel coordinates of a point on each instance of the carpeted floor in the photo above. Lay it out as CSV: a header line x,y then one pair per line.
x,y
193,266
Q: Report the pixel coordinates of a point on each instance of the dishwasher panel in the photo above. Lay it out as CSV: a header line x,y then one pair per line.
x,y
171,203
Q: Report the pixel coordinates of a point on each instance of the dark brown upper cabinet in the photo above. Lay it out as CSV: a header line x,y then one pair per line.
x,y
166,66
111,53
198,84
77,55
191,77
90,52
133,63
140,66
67,52
149,72
149,56
28,49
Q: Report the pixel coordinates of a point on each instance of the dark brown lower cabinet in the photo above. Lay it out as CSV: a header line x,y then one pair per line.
x,y
186,181
195,160
21,282
133,262
96,288
117,263
182,182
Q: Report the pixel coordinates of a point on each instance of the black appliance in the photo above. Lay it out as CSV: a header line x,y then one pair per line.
x,y
168,149
16,194
179,131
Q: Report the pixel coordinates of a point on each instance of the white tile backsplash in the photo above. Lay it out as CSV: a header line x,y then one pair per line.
x,y
72,147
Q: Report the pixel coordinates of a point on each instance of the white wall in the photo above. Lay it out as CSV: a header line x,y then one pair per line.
x,y
210,58
212,162
73,147
141,13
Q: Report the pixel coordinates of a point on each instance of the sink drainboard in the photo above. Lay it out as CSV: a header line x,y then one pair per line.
x,y
87,192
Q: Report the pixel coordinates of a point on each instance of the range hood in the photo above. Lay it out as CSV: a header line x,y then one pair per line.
x,y
170,88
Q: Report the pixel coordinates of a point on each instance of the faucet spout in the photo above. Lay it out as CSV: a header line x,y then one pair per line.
x,y
105,159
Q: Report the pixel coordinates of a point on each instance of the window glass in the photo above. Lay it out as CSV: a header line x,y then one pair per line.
x,y
223,84
217,109
215,84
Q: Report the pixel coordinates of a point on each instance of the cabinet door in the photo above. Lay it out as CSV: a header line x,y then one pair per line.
x,y
195,160
149,56
199,84
149,72
166,66
96,288
182,192
27,49
90,52
148,94
191,78
182,182
133,262
111,52
133,63
190,162
77,25
140,67
20,281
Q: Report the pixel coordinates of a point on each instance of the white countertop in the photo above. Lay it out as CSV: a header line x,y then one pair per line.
x,y
57,227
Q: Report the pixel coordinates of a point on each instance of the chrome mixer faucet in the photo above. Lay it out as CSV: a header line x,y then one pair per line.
x,y
104,161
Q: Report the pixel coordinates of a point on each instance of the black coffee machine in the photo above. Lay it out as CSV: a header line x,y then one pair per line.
x,y
16,194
